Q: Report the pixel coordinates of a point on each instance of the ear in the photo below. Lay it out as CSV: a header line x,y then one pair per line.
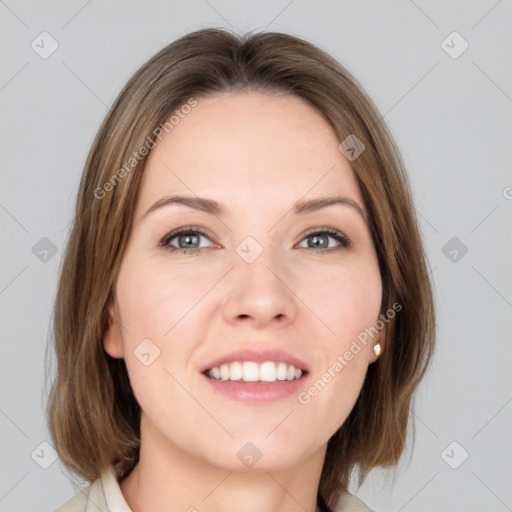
x,y
112,341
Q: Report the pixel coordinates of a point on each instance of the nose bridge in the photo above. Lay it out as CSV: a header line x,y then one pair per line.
x,y
258,287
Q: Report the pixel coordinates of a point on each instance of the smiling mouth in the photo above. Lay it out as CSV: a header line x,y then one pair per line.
x,y
250,371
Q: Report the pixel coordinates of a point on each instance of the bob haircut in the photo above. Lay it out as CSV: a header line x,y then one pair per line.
x,y
93,416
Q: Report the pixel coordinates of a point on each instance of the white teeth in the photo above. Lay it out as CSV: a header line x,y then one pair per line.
x,y
268,372
224,372
249,371
235,371
282,371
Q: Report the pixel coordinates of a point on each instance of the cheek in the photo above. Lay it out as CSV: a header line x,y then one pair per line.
x,y
349,312
347,302
154,297
153,303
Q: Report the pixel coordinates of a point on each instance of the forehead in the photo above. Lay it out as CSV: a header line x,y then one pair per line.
x,y
249,149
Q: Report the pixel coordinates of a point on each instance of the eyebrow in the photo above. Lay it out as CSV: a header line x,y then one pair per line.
x,y
212,207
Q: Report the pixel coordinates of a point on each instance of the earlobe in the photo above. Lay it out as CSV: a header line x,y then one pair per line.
x,y
112,342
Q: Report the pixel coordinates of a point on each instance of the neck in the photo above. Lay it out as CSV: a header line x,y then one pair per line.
x,y
167,478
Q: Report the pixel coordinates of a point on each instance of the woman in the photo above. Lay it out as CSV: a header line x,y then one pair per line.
x,y
244,310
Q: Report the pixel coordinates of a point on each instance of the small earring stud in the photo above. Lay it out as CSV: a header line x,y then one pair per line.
x,y
376,349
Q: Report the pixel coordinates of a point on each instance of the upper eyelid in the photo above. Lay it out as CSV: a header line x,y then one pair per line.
x,y
186,229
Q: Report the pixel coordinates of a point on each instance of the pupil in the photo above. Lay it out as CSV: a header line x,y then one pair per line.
x,y
186,239
319,241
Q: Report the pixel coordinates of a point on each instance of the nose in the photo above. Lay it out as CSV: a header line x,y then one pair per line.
x,y
260,294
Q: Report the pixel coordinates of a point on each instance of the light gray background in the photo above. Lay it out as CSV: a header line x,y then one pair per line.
x,y
451,118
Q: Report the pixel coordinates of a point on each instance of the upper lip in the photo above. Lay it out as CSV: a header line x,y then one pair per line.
x,y
258,356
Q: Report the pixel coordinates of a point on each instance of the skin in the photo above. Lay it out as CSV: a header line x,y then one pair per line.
x,y
256,154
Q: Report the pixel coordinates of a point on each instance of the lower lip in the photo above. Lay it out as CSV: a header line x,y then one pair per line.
x,y
257,391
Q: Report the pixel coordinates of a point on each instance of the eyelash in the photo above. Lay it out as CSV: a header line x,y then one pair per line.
x,y
189,230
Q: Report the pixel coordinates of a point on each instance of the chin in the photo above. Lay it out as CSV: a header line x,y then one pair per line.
x,y
277,461
259,454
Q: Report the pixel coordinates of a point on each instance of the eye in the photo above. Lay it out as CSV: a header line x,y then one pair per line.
x,y
318,241
187,240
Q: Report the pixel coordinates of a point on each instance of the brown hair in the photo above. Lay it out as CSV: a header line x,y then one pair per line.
x,y
93,416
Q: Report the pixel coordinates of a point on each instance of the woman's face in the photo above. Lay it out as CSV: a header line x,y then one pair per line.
x,y
261,275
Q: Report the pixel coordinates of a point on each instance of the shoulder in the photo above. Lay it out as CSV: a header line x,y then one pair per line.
x,y
103,495
350,503
79,502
